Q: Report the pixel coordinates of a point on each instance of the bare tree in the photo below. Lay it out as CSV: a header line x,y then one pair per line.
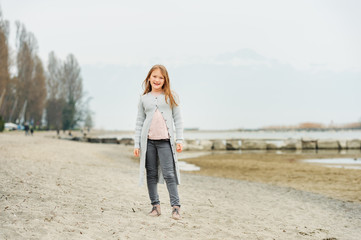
x,y
65,92
88,115
54,77
25,96
5,88
55,98
72,91
26,52
30,84
37,96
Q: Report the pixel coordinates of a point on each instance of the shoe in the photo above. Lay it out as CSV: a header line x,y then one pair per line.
x,y
155,212
175,213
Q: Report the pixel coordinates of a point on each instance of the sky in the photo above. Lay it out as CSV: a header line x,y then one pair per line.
x,y
234,64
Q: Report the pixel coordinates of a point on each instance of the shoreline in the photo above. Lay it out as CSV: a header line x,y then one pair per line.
x,y
279,161
51,189
275,159
236,144
285,170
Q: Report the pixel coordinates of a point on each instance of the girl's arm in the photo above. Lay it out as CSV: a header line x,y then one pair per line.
x,y
139,123
178,122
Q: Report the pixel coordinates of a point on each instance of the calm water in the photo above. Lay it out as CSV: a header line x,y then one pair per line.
x,y
348,163
184,166
356,161
275,137
271,135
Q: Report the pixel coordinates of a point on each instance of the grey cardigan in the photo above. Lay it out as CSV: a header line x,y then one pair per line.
x,y
148,103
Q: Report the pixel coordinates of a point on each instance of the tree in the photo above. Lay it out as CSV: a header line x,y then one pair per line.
x,y
87,114
54,113
31,93
2,124
72,83
30,84
55,94
26,45
88,121
37,97
65,93
5,88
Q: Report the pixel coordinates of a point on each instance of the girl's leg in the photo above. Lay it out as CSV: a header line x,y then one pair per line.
x,y
167,164
152,172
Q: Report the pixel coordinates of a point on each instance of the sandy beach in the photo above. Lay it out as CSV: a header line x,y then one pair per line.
x,y
58,189
287,170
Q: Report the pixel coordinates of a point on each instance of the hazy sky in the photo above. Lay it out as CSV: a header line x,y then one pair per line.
x,y
233,63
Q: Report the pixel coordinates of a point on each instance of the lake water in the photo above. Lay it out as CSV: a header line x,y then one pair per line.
x,y
268,135
275,137
347,163
184,166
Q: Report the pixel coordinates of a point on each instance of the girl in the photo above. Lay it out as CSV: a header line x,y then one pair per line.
x,y
158,110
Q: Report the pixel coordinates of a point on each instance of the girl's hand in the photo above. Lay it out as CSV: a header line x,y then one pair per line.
x,y
136,152
179,147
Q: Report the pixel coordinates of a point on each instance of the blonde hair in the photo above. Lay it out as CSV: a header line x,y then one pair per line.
x,y
166,86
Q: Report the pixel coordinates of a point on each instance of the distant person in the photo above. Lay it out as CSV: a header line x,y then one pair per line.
x,y
32,131
26,128
154,137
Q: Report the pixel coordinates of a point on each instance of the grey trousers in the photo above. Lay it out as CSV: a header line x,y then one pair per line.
x,y
162,150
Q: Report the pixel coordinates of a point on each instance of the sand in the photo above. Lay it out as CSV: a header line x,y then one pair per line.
x,y
287,170
57,189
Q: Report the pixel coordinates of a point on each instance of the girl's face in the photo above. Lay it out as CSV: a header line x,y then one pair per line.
x,y
156,80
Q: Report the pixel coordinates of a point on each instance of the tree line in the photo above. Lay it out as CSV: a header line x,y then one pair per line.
x,y
50,96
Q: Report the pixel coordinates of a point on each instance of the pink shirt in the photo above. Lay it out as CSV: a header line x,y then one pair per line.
x,y
158,128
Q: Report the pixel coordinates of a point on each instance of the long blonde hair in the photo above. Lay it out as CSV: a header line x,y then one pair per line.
x,y
166,86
